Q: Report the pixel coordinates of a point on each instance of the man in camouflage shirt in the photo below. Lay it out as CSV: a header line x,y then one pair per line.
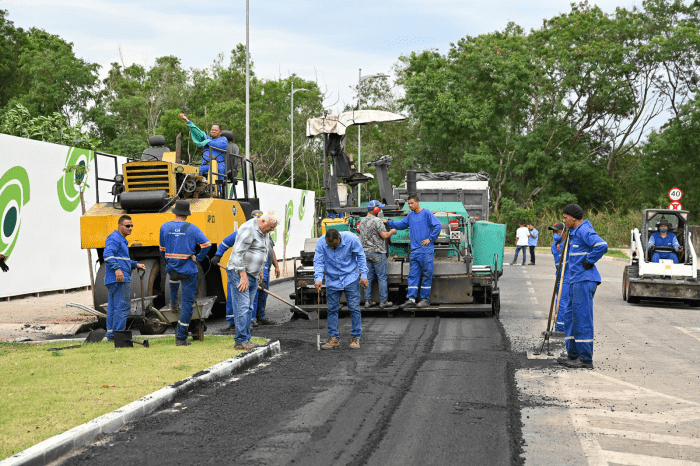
x,y
372,236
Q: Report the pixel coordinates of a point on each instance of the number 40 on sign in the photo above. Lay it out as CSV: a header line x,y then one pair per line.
x,y
675,195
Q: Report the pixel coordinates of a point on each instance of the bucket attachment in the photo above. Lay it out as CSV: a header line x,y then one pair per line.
x,y
122,339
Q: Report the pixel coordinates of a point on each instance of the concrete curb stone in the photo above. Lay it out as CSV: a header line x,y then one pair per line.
x,y
57,446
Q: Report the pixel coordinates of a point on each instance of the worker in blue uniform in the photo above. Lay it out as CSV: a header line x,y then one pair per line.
x,y
118,268
424,229
664,238
340,259
585,249
557,250
178,240
225,245
210,144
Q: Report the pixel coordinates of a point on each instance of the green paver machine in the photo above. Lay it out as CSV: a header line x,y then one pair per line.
x,y
468,256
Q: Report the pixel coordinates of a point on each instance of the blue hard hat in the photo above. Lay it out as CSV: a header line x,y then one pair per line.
x,y
373,204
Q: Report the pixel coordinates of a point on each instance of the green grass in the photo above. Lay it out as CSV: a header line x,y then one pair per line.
x,y
46,392
617,253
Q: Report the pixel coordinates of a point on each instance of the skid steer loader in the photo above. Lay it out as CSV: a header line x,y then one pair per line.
x,y
664,280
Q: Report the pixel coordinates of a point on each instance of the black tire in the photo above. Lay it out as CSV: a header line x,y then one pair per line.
x,y
201,286
152,325
496,306
151,283
633,273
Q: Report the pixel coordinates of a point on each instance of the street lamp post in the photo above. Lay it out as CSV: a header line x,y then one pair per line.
x,y
359,128
291,144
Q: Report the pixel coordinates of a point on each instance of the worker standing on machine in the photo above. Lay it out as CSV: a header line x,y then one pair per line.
x,y
178,240
340,258
663,238
424,229
118,276
210,143
373,236
585,249
557,249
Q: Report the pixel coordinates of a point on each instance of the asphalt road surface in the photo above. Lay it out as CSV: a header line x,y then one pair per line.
x,y
445,390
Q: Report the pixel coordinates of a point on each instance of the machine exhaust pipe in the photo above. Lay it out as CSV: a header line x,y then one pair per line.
x,y
411,182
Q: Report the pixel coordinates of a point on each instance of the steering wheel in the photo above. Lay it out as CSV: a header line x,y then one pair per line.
x,y
141,154
664,249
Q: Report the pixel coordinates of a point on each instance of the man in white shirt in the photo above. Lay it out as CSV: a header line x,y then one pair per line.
x,y
521,240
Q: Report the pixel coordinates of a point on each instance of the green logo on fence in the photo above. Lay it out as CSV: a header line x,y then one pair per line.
x,y
288,221
14,193
302,204
68,195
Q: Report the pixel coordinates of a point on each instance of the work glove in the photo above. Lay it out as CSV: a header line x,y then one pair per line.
x,y
587,265
215,260
3,265
651,247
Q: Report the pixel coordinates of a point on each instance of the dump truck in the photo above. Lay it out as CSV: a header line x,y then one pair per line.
x,y
663,280
146,188
468,254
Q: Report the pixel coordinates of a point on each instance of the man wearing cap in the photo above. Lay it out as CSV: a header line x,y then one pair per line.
x,y
339,258
663,238
178,240
557,250
244,270
425,229
118,266
532,235
373,236
585,248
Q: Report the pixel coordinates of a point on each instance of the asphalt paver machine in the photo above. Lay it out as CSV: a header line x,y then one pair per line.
x,y
663,280
468,258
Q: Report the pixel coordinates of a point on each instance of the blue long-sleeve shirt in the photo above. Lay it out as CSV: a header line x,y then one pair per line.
x,y
226,243
218,155
177,246
584,243
557,249
342,264
116,257
669,241
422,225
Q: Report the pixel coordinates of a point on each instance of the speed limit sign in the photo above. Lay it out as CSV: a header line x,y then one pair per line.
x,y
675,205
675,194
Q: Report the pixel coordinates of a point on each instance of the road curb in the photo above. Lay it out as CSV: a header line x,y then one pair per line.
x,y
57,446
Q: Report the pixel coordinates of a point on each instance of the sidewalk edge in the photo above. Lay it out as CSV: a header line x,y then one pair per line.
x,y
57,446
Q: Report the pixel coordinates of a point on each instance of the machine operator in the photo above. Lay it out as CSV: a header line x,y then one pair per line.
x,y
664,238
210,143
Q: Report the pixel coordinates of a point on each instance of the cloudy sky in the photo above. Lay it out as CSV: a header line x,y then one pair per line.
x,y
327,41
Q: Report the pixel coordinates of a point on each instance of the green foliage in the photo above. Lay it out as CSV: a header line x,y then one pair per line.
x,y
53,128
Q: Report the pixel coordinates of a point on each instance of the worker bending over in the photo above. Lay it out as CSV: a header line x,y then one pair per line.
x,y
340,258
178,240
424,230
664,238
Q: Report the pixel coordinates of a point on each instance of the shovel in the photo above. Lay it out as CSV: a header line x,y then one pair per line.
x,y
306,315
122,339
95,336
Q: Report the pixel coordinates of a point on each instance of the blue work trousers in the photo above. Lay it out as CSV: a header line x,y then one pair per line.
x,y
230,318
563,315
376,265
420,275
118,307
352,293
261,297
517,250
664,255
189,291
579,329
242,304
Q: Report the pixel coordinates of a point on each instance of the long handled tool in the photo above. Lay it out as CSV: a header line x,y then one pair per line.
x,y
557,287
318,321
306,315
95,336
